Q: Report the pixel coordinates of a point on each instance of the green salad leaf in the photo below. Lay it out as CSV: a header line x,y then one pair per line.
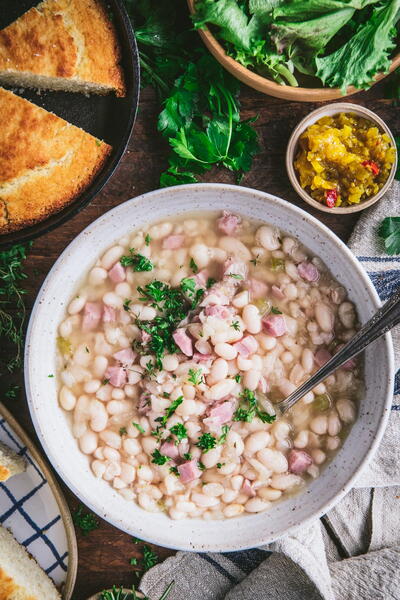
x,y
389,231
365,54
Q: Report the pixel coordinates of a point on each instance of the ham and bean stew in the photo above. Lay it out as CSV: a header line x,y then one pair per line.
x,y
177,345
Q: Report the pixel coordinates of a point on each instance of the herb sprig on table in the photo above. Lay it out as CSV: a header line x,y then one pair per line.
x,y
119,594
389,231
12,306
201,112
86,521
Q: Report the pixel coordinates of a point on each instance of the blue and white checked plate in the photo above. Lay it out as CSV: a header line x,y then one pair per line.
x,y
33,508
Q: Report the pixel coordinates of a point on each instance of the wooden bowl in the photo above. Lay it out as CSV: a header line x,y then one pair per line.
x,y
329,110
267,86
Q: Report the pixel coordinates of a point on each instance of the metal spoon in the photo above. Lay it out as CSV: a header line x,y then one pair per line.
x,y
387,317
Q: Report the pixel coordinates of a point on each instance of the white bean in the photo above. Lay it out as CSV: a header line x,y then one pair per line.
x,y
111,256
324,316
97,276
220,389
285,481
235,247
268,493
67,399
212,457
131,446
251,318
213,489
113,300
347,314
319,425
268,237
301,439
273,460
255,505
318,456
225,351
111,438
307,360
233,510
88,442
334,425
128,473
346,410
251,379
98,415
203,500
76,305
241,299
98,468
145,473
257,441
219,371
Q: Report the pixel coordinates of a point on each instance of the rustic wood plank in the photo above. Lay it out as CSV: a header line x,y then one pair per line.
x,y
104,554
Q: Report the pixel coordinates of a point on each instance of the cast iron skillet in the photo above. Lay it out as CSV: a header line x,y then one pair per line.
x,y
107,117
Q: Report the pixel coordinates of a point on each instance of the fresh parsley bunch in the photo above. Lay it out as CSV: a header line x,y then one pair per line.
x,y
201,111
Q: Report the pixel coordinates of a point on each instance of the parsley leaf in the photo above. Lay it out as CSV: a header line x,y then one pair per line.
x,y
235,325
389,231
150,558
238,378
179,431
225,430
235,276
138,262
138,427
147,239
158,458
195,376
193,266
248,409
206,442
210,282
275,310
86,521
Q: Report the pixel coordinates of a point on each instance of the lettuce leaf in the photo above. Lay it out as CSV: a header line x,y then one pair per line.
x,y
365,54
300,10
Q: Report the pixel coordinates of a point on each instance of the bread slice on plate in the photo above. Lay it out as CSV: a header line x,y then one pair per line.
x,y
45,162
68,45
10,463
21,578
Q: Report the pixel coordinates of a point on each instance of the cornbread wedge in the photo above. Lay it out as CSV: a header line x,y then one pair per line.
x,y
10,463
68,45
21,578
45,162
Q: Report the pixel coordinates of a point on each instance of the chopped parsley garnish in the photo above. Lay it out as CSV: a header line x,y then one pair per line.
x,y
235,276
193,266
86,521
126,304
195,376
210,282
133,561
12,392
206,442
275,310
166,395
150,558
147,239
170,411
138,262
219,465
179,431
87,349
222,438
174,471
235,325
174,305
138,427
158,458
248,409
51,375
238,378
389,231
122,431
105,381
187,456
201,466
255,261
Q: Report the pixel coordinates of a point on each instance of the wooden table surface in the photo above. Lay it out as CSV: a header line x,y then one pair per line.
x,y
104,554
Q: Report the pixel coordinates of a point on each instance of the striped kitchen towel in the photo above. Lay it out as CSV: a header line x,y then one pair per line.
x,y
353,553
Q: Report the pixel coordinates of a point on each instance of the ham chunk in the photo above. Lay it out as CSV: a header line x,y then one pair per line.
x,y
277,293
109,314
322,356
308,271
189,471
228,223
299,461
222,312
235,270
201,278
248,489
274,325
169,449
117,273
173,242
219,415
199,357
246,346
91,316
258,289
116,376
125,356
183,341
348,365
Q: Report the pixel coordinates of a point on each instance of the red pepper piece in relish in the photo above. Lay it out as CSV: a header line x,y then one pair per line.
x,y
370,164
330,198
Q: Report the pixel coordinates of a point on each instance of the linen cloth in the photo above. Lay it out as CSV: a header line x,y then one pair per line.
x,y
353,552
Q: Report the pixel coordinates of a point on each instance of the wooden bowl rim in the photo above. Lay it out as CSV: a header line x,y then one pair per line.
x,y
267,86
311,118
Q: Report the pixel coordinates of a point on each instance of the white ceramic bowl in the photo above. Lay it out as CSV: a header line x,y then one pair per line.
x,y
51,422
328,110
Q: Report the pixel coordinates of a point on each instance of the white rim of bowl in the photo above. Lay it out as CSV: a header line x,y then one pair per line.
x,y
310,119
303,215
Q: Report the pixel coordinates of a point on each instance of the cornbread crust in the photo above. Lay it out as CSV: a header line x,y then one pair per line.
x,y
45,162
63,44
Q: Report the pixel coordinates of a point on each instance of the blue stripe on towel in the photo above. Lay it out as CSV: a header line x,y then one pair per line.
x,y
248,560
385,282
378,259
218,567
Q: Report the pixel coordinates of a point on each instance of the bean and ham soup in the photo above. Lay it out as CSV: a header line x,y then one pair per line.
x,y
175,349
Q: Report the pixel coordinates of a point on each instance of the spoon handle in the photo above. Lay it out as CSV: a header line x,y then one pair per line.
x,y
383,320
